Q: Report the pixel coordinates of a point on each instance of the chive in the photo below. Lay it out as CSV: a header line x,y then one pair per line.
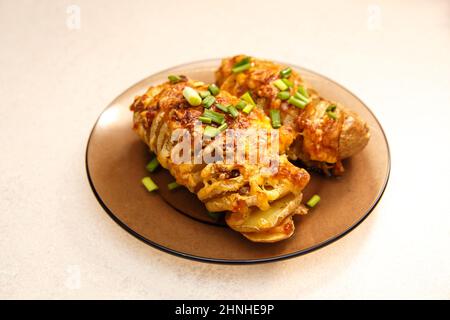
x,y
208,101
242,65
331,107
285,73
173,185
248,108
152,165
241,105
243,61
174,79
332,115
296,102
248,98
222,127
205,119
204,94
213,89
233,111
214,116
241,68
275,117
210,131
222,107
192,96
299,96
303,91
280,84
287,82
149,184
283,95
313,201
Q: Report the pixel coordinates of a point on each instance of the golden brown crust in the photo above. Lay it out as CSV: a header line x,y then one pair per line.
x,y
315,138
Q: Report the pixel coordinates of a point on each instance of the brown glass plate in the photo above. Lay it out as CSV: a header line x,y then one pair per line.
x,y
176,221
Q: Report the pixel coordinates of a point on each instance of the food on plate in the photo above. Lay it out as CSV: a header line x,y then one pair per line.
x,y
259,199
323,132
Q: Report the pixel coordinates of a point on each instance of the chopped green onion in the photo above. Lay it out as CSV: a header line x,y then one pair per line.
x,y
287,82
214,116
248,108
299,96
243,61
241,68
222,107
296,102
283,95
173,185
242,65
285,73
313,201
332,115
210,131
149,184
280,84
152,165
204,93
192,96
208,101
213,89
233,111
303,91
331,107
275,117
222,127
241,105
248,98
205,120
174,79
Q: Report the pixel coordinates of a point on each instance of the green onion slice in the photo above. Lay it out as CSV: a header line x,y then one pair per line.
x,y
192,96
283,95
152,165
287,82
210,131
149,184
222,107
222,127
275,117
248,108
331,107
174,79
213,89
248,98
303,91
280,84
241,105
208,101
214,116
173,185
204,94
332,115
299,96
241,68
233,111
296,102
205,120
313,201
285,73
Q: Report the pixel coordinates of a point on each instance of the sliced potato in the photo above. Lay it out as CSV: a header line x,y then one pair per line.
x,y
278,233
258,220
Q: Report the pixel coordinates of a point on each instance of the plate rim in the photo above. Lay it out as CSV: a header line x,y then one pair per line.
x,y
237,261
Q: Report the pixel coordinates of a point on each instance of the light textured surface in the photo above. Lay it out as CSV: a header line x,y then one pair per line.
x,y
55,239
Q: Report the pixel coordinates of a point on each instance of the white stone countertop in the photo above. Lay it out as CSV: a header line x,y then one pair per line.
x,y
57,75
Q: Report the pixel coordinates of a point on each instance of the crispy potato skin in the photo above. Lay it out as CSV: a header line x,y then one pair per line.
x,y
317,139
